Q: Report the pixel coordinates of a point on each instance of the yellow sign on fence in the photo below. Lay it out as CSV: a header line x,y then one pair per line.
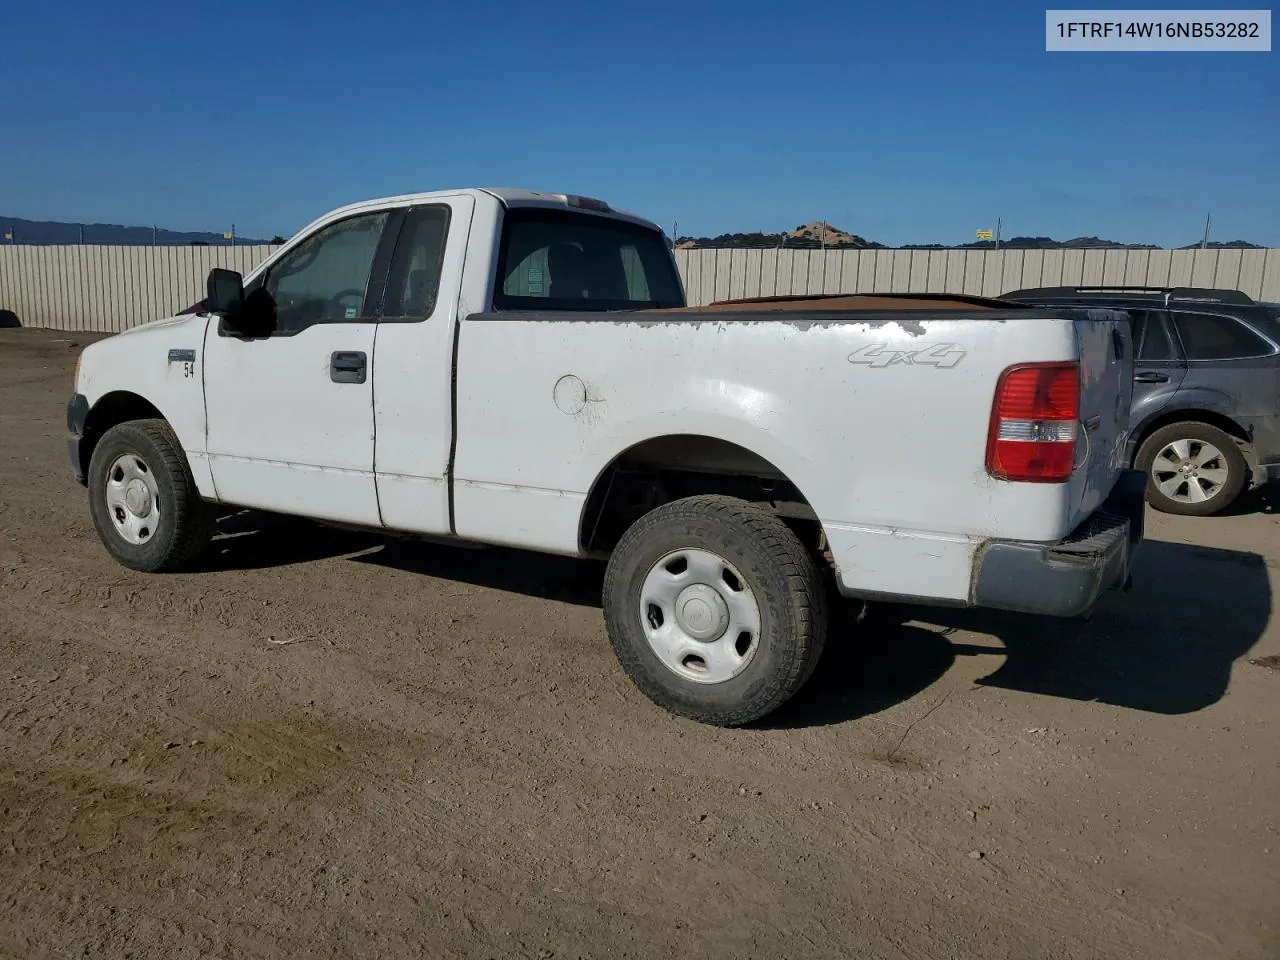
x,y
984,234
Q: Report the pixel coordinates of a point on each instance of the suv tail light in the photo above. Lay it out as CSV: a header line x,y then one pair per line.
x,y
1034,423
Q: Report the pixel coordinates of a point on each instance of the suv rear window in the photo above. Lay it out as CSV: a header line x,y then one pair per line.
x,y
1208,336
556,260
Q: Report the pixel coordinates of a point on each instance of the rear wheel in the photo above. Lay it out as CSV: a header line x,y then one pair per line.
x,y
1193,469
144,502
715,610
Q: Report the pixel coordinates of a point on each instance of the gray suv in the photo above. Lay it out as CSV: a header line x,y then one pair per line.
x,y
1206,393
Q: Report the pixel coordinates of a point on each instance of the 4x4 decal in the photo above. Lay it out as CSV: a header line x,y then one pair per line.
x,y
878,355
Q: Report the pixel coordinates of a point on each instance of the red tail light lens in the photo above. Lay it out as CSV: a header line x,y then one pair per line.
x,y
1034,423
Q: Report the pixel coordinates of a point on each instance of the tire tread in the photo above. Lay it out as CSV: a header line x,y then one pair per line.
x,y
193,519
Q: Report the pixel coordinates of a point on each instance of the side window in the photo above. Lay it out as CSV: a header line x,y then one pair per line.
x,y
1207,336
414,283
1152,336
325,278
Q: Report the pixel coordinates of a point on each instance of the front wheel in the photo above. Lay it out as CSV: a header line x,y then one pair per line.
x,y
714,609
1193,469
144,502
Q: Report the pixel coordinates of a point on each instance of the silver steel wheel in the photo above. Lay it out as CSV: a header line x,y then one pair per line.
x,y
133,498
699,616
1190,471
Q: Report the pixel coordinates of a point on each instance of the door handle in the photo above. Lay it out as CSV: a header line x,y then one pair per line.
x,y
1149,377
348,366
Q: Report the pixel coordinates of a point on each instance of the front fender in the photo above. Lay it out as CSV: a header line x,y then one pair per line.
x,y
159,366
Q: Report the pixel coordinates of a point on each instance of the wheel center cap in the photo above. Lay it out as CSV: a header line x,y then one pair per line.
x,y
138,498
701,612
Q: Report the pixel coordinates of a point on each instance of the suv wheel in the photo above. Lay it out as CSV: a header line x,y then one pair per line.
x,y
1192,468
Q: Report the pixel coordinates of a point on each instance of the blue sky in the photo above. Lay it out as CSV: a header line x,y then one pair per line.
x,y
903,122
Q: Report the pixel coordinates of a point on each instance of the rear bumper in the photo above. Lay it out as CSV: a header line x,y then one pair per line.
x,y
77,413
1066,579
1267,473
1263,450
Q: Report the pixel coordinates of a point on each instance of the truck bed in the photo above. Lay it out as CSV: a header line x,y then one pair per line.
x,y
877,408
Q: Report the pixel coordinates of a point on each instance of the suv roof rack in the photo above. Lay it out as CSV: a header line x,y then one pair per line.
x,y
1202,294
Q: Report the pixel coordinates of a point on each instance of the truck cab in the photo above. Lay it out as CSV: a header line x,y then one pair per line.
x,y
280,411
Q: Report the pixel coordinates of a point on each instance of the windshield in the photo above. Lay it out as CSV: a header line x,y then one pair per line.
x,y
557,260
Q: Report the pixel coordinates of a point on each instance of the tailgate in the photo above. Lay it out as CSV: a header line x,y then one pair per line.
x,y
1106,390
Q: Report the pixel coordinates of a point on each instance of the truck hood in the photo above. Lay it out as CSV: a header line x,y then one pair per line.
x,y
165,323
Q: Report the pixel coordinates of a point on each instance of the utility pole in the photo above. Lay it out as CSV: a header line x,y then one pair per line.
x,y
1208,219
81,234
999,225
824,236
153,234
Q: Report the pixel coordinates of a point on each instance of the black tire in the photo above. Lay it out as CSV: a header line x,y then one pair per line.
x,y
1221,496
783,577
185,523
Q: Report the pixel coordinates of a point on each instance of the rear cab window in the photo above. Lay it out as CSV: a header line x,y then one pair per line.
x,y
567,261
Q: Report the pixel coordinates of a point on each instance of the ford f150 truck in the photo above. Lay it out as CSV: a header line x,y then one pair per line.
x,y
518,368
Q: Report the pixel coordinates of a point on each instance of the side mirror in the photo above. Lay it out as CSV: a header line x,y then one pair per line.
x,y
225,293
240,316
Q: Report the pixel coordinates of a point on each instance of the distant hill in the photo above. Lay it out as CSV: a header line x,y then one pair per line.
x,y
1226,245
56,232
807,236
811,236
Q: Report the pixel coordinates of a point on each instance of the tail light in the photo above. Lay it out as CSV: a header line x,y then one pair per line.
x,y
1034,423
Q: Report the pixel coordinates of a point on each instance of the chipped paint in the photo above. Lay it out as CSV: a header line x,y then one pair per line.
x,y
912,323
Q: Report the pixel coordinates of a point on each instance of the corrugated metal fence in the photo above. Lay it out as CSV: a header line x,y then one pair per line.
x,y
729,274
109,289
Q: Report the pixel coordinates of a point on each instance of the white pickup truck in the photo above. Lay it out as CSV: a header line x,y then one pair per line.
x,y
519,368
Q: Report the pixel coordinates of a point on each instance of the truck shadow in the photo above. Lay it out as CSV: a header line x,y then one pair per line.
x,y
1167,647
251,540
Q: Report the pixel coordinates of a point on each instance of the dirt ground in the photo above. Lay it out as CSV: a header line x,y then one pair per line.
x,y
447,761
